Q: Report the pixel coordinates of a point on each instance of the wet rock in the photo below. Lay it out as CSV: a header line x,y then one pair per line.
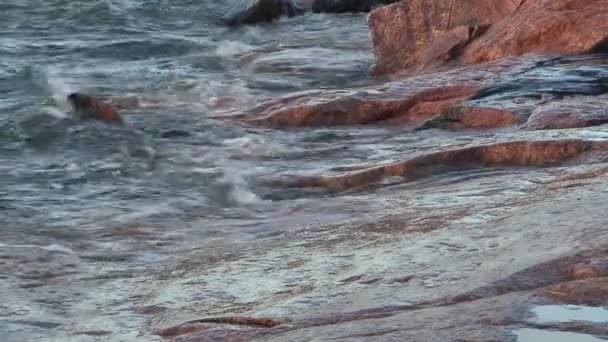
x,y
448,46
583,271
464,117
360,107
203,324
592,291
411,101
596,268
342,6
151,309
570,112
543,27
180,330
515,153
91,108
93,333
175,133
123,102
254,11
549,277
416,33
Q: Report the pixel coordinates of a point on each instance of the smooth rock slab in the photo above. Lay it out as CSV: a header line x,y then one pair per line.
x,y
570,112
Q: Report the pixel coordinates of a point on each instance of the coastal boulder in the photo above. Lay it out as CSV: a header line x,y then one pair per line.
x,y
544,27
254,11
411,36
412,33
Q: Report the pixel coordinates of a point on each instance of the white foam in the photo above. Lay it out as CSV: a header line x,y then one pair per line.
x,y
239,192
59,90
54,112
51,248
232,48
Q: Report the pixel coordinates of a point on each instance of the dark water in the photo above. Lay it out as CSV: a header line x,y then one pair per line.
x,y
81,201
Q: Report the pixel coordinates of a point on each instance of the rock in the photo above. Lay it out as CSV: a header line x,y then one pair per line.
x,y
448,46
416,32
463,117
198,325
91,108
361,107
254,11
543,27
342,6
590,291
175,133
415,35
583,271
410,101
570,112
514,153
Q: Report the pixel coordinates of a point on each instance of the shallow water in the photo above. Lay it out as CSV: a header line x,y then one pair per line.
x,y
568,313
534,335
83,202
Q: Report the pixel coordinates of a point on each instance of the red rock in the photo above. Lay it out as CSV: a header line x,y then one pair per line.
x,y
583,271
417,32
89,107
203,324
464,117
590,291
543,27
514,153
571,112
410,101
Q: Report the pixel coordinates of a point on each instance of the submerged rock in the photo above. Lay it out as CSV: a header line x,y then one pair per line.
x,y
91,108
513,153
252,11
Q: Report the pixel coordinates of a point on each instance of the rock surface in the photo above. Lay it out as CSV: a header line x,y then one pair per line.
x,y
466,117
471,289
252,11
415,35
411,101
487,96
543,27
516,153
90,108
255,11
570,112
